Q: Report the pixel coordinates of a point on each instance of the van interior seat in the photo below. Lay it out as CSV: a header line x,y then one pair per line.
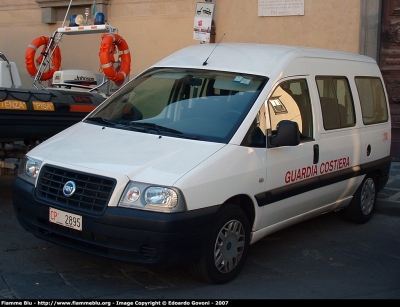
x,y
330,113
305,113
342,115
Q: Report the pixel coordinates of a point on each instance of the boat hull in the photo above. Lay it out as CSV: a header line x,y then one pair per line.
x,y
39,114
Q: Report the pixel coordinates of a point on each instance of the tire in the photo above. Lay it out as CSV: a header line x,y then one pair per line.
x,y
226,248
363,204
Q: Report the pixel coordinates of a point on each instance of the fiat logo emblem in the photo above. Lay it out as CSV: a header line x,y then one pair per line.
x,y
69,188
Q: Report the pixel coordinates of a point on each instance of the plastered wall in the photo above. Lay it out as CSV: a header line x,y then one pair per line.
x,y
155,28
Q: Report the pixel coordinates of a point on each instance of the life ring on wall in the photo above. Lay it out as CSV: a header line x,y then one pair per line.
x,y
106,54
31,63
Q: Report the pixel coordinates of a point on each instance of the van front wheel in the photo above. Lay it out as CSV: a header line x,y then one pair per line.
x,y
226,248
363,203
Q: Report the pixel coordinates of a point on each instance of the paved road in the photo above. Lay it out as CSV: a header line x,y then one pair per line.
x,y
319,259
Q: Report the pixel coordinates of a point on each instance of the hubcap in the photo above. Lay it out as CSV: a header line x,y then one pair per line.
x,y
367,196
229,246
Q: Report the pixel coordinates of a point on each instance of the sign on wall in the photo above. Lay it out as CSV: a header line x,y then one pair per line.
x,y
203,17
280,7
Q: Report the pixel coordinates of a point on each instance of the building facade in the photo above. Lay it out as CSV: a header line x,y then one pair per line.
x,y
155,28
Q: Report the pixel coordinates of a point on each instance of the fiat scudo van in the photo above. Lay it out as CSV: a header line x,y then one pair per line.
x,y
210,150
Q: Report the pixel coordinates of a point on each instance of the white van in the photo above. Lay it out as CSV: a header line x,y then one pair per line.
x,y
210,150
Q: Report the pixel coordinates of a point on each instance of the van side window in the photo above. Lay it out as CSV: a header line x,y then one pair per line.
x,y
291,101
336,102
372,99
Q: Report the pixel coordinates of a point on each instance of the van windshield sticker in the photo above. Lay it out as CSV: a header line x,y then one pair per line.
x,y
316,170
242,80
238,83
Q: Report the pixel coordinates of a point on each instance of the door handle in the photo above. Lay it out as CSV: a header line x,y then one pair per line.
x,y
316,154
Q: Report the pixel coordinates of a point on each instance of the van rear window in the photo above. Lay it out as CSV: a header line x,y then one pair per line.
x,y
372,99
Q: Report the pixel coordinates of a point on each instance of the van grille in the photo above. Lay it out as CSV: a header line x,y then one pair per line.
x,y
91,196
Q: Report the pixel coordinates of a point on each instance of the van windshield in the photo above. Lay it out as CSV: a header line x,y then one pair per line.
x,y
194,104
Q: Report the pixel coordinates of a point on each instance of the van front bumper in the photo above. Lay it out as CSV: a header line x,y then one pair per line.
x,y
143,237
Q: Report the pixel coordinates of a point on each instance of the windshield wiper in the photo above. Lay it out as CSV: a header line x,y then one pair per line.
x,y
166,130
100,119
145,127
189,137
156,127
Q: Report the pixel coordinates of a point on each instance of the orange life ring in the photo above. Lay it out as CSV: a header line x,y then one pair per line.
x,y
30,62
106,54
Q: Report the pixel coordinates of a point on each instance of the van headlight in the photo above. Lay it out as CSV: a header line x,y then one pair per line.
x,y
154,198
29,169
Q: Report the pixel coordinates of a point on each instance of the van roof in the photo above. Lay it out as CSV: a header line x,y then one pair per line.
x,y
257,59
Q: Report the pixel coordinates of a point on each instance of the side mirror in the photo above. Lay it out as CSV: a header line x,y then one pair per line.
x,y
287,134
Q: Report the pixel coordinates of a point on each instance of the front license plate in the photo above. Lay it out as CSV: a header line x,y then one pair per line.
x,y
65,219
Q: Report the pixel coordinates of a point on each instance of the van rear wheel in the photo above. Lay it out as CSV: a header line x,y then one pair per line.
x,y
226,248
363,204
